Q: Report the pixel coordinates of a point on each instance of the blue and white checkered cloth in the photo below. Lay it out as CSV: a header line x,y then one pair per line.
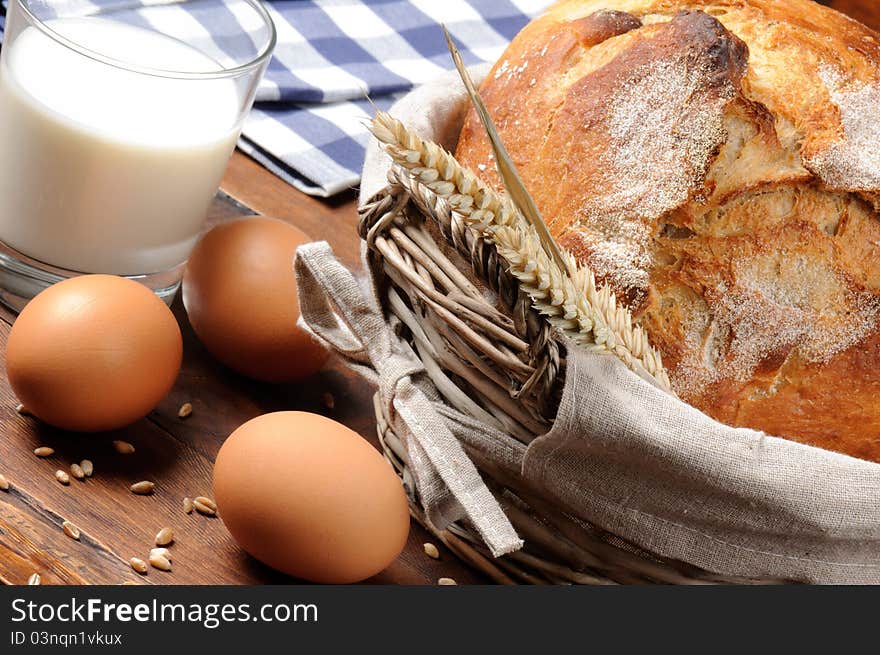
x,y
308,125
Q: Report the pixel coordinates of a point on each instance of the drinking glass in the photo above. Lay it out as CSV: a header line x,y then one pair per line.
x,y
117,120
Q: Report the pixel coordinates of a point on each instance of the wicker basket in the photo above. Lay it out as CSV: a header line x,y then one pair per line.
x,y
498,362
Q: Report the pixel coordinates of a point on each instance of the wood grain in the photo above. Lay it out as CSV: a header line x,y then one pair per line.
x,y
866,11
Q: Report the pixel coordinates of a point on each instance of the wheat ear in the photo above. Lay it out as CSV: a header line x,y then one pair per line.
x,y
571,300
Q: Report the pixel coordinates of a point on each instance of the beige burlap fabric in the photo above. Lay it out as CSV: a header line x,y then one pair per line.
x,y
622,454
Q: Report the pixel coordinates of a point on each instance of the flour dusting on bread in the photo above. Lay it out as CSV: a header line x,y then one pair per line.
x,y
779,307
650,168
660,109
853,162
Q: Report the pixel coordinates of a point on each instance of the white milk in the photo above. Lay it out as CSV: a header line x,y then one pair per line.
x,y
104,169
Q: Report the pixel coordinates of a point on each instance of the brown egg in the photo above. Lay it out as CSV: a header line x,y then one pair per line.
x,y
93,353
240,296
309,497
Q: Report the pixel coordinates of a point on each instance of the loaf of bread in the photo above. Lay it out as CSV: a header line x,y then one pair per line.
x,y
718,164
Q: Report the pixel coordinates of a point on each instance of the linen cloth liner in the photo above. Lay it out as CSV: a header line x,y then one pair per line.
x,y
308,125
645,466
334,309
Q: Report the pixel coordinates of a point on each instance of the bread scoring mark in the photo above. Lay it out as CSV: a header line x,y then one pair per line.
x,y
658,109
776,305
584,33
851,163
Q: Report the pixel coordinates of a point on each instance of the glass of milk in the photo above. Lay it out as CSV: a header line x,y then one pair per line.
x,y
117,119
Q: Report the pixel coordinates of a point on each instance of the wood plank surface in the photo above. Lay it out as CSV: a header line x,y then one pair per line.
x,y
866,11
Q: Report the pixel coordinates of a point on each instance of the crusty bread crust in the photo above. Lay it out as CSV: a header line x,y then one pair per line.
x,y
718,164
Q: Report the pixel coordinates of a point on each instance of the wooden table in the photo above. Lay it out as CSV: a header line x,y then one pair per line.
x,y
866,11
178,454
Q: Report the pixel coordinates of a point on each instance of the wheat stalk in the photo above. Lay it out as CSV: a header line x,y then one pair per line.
x,y
571,299
510,178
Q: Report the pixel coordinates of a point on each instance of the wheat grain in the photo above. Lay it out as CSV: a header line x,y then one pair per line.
x,y
70,530
159,562
431,551
4,483
44,451
161,552
77,471
21,409
143,488
185,410
123,447
164,537
204,500
139,565
202,508
187,505
441,173
34,580
570,299
62,477
87,467
446,582
574,304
